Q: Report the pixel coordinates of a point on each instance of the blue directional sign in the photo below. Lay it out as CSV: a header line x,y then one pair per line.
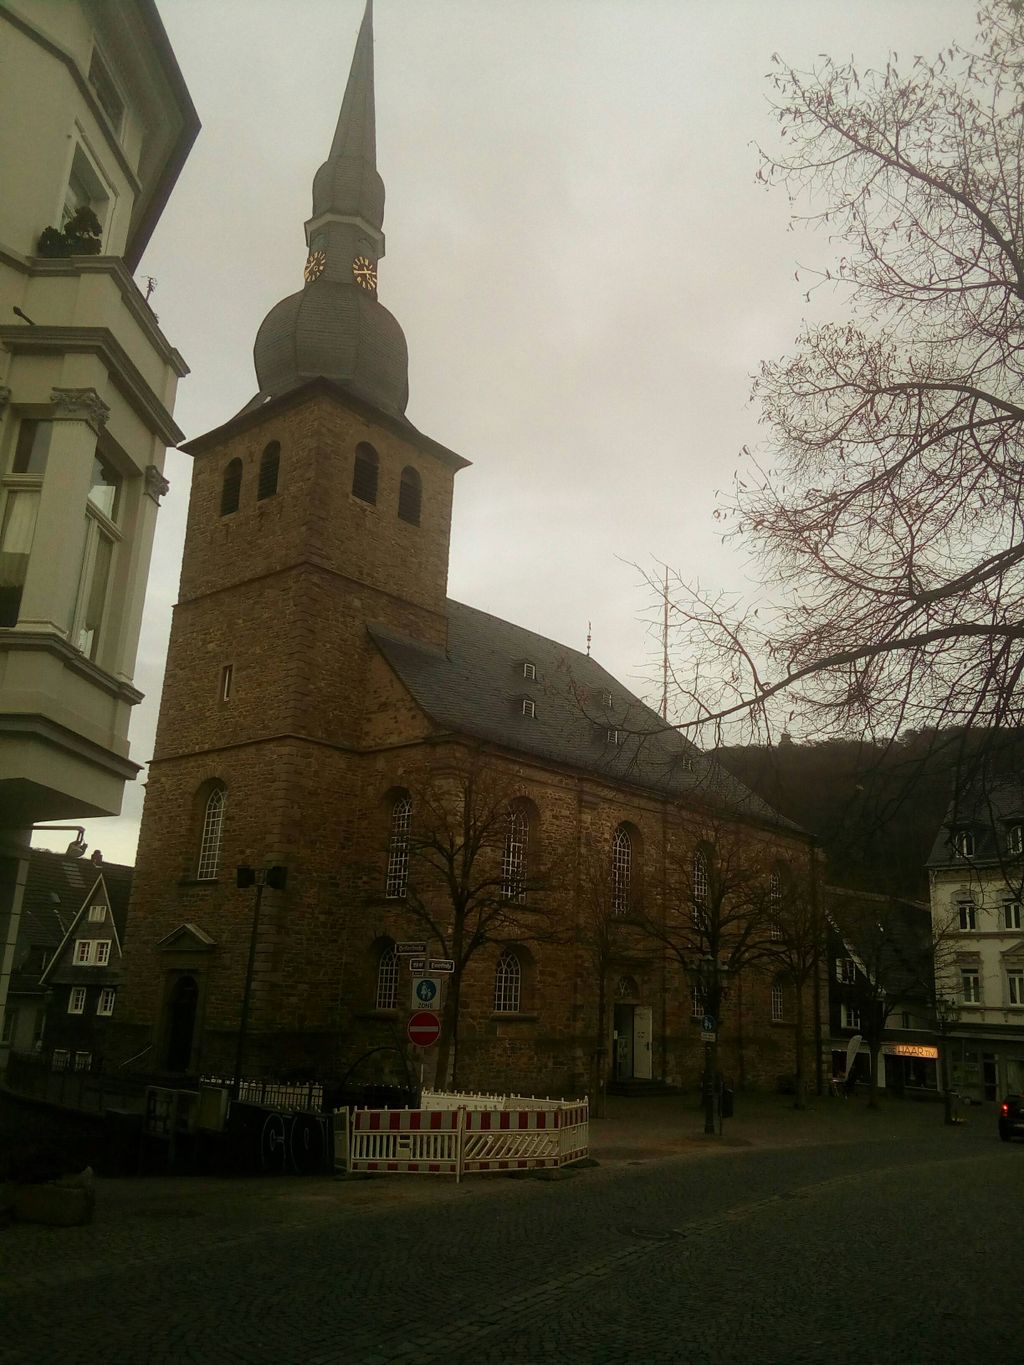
x,y
708,1023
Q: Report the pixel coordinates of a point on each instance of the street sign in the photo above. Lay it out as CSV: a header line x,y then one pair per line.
x,y
708,1036
410,949
441,964
423,1029
426,993
709,1023
417,964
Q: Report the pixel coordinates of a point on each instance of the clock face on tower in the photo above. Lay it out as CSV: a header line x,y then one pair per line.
x,y
315,262
365,273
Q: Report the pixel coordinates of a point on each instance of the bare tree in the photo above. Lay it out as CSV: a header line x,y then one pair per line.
x,y
464,889
715,924
885,506
796,949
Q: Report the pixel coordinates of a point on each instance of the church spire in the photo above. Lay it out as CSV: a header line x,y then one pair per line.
x,y
336,326
356,133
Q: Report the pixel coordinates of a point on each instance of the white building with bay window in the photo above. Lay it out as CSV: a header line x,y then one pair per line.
x,y
94,115
976,871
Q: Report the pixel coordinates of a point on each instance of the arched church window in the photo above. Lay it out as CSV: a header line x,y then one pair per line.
x,y
213,828
231,489
775,905
508,983
410,494
387,980
270,462
513,862
398,849
365,473
778,1000
701,918
622,869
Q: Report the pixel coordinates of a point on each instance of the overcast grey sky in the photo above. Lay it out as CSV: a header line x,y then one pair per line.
x,y
585,268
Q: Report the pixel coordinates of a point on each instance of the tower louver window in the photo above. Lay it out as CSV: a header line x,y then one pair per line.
x,y
231,489
270,463
364,474
410,496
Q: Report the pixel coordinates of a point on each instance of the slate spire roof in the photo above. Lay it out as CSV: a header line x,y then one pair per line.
x,y
356,133
335,326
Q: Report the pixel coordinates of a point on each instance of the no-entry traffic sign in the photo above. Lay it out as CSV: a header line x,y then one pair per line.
x,y
424,1028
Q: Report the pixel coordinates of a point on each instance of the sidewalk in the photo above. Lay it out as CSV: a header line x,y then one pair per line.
x,y
649,1129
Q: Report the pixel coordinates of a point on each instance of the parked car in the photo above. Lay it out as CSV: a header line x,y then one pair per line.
x,y
1011,1117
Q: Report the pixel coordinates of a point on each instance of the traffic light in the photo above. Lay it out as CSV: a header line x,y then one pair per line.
x,y
277,877
245,877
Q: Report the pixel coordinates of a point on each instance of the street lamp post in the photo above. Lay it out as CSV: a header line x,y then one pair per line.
x,y
947,1012
708,972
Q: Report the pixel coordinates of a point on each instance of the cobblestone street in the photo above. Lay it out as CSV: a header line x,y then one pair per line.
x,y
838,1236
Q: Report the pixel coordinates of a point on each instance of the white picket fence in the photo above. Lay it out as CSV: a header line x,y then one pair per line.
x,y
462,1138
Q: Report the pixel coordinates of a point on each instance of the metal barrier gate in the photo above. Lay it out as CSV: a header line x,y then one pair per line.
x,y
454,1141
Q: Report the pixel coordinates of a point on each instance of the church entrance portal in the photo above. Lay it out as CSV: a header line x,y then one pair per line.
x,y
633,1027
181,1023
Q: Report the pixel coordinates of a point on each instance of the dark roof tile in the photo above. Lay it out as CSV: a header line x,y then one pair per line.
x,y
476,687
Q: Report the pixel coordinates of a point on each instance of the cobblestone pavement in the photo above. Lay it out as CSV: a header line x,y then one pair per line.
x,y
838,1237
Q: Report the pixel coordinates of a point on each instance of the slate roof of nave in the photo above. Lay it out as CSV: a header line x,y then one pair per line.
x,y
476,687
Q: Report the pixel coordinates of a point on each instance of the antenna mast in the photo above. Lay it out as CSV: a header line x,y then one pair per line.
x,y
664,649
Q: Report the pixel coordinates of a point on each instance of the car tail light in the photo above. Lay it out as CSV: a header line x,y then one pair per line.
x,y
1005,1108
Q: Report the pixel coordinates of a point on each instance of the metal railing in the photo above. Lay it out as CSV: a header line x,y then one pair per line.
x,y
305,1095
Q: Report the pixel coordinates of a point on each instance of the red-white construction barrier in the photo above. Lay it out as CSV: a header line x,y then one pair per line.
x,y
414,1141
452,1141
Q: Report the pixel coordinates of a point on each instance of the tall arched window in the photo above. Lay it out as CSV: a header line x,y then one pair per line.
x,y
364,473
270,463
778,1001
622,870
386,997
508,984
231,488
775,905
410,496
513,862
209,844
700,890
398,849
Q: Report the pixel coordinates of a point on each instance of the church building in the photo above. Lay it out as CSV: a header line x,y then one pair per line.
x,y
424,772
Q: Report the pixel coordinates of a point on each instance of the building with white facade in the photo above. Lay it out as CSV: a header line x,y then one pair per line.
x,y
976,870
95,125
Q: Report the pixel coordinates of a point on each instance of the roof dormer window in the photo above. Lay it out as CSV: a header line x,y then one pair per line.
x,y
963,843
1015,840
529,671
529,707
614,737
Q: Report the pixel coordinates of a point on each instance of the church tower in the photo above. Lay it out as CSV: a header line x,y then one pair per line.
x,y
316,512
